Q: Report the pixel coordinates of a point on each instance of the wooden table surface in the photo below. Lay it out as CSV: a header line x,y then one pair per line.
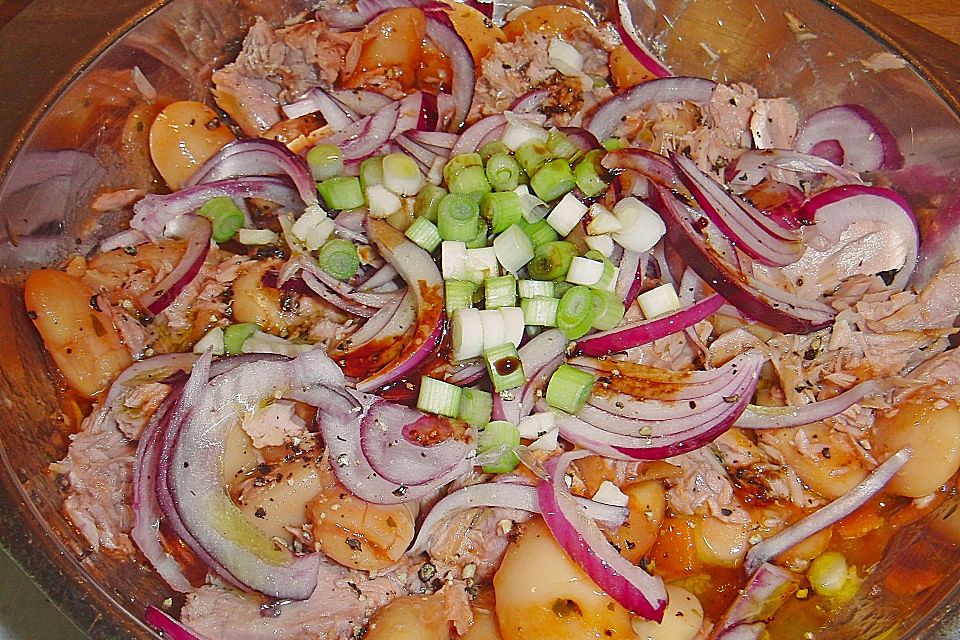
x,y
940,16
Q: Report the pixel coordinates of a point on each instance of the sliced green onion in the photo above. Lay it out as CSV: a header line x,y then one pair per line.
x,y
471,179
312,228
607,311
224,215
553,180
551,260
540,311
560,288
476,406
608,281
659,301
534,288
424,234
533,208
428,201
502,209
339,258
512,324
569,388
371,172
453,260
575,313
458,217
533,154
588,174
466,334
500,434
567,214
341,192
382,202
325,161
480,240
584,271
601,244
457,163
612,144
503,172
481,264
439,397
235,335
500,292
257,236
828,573
561,146
401,175
458,294
504,367
513,248
491,149
540,232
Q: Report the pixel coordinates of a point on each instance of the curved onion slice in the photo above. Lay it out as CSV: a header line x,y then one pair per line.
x,y
747,228
257,157
758,300
394,318
867,143
418,268
836,210
168,626
762,417
752,167
530,102
365,136
436,140
630,278
633,43
635,589
470,139
633,335
650,165
193,475
506,495
826,516
198,232
154,212
440,30
362,102
584,140
540,358
768,589
604,118
316,99
324,292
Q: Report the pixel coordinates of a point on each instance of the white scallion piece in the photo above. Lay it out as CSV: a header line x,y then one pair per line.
x,y
642,227
534,288
253,237
567,214
382,202
401,175
659,301
453,259
514,248
609,493
262,342
603,244
512,325
533,208
537,425
494,329
546,442
519,131
585,271
481,264
313,228
466,334
213,341
565,58
602,221
439,397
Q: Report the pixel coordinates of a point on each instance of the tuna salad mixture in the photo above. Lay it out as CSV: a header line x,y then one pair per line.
x,y
437,326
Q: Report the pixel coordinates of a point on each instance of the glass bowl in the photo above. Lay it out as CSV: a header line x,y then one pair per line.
x,y
62,124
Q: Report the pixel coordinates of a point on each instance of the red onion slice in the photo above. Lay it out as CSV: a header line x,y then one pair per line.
x,y
344,304
257,157
828,515
435,139
638,333
754,166
441,32
168,626
747,228
631,276
198,232
316,100
635,589
631,40
419,270
530,102
605,117
394,318
650,165
762,417
505,495
758,300
362,102
768,589
128,238
828,150
365,136
470,139
867,143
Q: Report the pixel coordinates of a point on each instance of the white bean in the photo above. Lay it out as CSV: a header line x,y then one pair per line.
x,y
681,621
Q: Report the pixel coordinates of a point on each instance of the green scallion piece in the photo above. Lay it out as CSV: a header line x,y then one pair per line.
x,y
828,573
500,292
575,313
554,180
458,217
504,367
560,288
561,146
341,192
502,435
503,172
458,294
607,311
480,240
476,406
612,144
533,154
457,163
502,209
427,202
401,175
235,335
540,311
534,288
588,174
471,179
339,258
224,215
439,397
325,161
551,260
540,232
491,149
569,388
371,172
424,234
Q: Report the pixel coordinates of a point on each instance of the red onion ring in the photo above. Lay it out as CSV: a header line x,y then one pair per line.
x,y
530,102
631,40
650,165
768,589
364,137
752,167
470,139
867,143
362,102
440,30
435,140
198,232
762,417
319,100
